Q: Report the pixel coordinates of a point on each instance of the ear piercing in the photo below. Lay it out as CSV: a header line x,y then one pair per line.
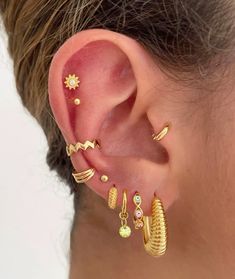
x,y
138,213
73,148
155,230
104,178
112,197
124,231
83,176
159,136
72,82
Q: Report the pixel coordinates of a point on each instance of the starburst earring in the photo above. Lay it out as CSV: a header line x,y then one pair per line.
x,y
72,82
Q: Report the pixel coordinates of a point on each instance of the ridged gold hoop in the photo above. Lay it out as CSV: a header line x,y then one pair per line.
x,y
112,197
155,230
164,131
72,148
84,176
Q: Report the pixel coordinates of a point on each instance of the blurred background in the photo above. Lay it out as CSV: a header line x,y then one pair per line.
x,y
36,209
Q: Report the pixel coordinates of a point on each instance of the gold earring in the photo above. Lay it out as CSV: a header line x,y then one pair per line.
x,y
138,213
155,230
77,101
72,82
159,136
104,178
73,148
112,197
84,176
124,231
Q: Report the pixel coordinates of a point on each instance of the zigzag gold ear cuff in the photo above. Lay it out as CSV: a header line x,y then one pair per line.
x,y
155,230
83,176
159,136
73,148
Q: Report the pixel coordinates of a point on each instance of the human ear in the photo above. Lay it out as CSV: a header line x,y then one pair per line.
x,y
120,107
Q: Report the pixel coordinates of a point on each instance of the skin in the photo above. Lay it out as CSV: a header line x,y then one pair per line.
x,y
124,97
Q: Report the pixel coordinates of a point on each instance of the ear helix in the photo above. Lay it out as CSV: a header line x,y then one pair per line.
x,y
154,227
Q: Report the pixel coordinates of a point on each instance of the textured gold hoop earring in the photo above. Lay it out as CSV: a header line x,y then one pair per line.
x,y
155,230
124,231
73,148
84,176
159,136
112,197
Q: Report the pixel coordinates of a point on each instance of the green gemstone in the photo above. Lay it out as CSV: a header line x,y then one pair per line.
x,y
125,231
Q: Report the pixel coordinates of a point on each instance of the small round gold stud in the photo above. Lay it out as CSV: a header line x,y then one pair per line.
x,y
77,101
104,178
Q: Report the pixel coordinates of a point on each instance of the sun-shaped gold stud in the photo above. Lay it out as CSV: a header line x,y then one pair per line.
x,y
72,82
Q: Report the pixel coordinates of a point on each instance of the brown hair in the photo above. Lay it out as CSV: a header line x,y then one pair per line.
x,y
185,37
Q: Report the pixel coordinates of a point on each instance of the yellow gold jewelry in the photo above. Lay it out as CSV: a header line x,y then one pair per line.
x,y
124,231
77,101
159,136
155,230
112,197
138,213
72,148
84,176
104,178
72,82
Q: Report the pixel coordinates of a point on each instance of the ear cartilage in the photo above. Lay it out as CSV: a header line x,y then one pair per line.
x,y
112,197
104,178
72,82
77,101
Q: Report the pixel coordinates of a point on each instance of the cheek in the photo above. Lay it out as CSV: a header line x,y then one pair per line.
x,y
203,220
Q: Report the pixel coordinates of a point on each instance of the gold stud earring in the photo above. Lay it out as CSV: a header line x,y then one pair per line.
x,y
159,136
83,176
73,148
112,197
104,178
155,230
77,101
138,213
125,230
72,82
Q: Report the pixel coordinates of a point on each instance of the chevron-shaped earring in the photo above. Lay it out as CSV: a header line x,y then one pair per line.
x,y
73,148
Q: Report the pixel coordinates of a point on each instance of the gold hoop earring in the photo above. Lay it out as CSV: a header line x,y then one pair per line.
x,y
73,148
138,213
84,176
112,197
155,230
124,231
159,136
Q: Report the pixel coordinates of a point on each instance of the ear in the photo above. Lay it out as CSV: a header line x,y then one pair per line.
x,y
119,106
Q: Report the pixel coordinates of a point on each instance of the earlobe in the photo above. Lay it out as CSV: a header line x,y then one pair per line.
x,y
97,89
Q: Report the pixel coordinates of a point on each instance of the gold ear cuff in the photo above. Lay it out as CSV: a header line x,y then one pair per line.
x,y
73,148
155,230
84,176
159,136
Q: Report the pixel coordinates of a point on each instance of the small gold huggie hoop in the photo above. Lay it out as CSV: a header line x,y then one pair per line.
x,y
164,131
83,176
112,197
73,148
124,231
155,230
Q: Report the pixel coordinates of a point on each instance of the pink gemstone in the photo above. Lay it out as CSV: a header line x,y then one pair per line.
x,y
138,213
